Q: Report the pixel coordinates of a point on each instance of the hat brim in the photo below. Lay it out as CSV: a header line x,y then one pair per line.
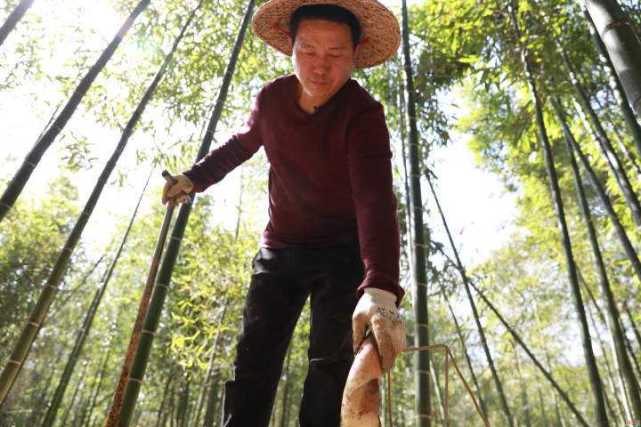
x,y
381,34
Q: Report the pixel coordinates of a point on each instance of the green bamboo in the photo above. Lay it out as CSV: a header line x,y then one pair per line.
x,y
623,45
593,373
14,17
477,319
544,414
613,318
467,355
533,358
522,386
74,356
423,396
164,276
113,418
149,93
610,376
633,324
182,414
161,415
209,389
615,84
604,143
21,177
94,397
79,386
629,249
48,294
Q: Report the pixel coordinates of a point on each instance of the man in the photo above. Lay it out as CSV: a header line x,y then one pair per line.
x,y
333,231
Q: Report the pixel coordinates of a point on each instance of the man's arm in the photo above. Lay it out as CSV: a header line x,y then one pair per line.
x,y
222,160
371,179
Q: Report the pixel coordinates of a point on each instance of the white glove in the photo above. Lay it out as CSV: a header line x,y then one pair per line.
x,y
376,311
177,192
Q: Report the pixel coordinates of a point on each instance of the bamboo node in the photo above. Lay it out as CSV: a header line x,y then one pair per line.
x,y
136,380
148,332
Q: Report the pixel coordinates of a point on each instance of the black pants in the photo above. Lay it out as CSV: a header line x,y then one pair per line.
x,y
282,280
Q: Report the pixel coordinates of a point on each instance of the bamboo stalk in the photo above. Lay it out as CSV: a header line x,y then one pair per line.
x,y
21,177
14,17
159,295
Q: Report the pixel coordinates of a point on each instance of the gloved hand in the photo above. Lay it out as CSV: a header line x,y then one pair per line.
x,y
377,311
177,192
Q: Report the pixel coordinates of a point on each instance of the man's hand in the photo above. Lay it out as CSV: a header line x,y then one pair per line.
x,y
377,311
177,191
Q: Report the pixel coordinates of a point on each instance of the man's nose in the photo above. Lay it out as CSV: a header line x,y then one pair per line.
x,y
321,65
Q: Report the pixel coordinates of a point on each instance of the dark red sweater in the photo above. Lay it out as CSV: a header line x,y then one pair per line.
x,y
330,175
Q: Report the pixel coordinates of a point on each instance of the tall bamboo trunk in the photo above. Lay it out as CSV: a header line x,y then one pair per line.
x,y
14,17
544,414
49,293
622,43
466,283
632,354
423,399
595,379
200,404
437,393
88,321
466,353
113,417
83,281
615,84
80,415
21,177
211,386
604,143
41,404
182,414
610,376
408,204
533,358
635,329
629,249
166,268
74,396
202,397
613,316
603,106
523,387
162,413
94,398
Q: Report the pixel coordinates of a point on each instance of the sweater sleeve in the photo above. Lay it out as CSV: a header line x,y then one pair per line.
x,y
220,161
370,169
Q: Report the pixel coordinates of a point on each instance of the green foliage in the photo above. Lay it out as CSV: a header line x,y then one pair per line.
x,y
30,239
212,273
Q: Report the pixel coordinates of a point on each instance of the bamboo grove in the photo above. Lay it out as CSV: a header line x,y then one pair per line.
x,y
115,311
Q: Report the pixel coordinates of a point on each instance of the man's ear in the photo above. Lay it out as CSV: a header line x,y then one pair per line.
x,y
287,34
362,42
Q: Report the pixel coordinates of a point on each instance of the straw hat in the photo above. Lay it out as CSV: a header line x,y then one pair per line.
x,y
381,34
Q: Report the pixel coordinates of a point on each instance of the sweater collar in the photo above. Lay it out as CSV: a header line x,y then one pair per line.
x,y
330,105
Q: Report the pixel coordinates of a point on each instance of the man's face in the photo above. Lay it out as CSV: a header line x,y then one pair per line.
x,y
323,57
